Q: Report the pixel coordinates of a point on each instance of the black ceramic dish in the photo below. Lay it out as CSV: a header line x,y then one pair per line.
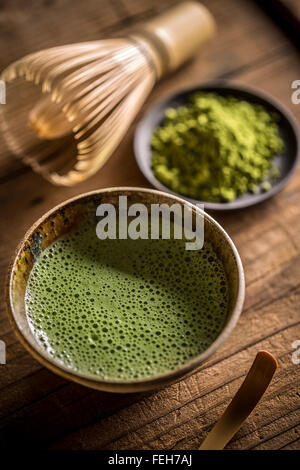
x,y
285,162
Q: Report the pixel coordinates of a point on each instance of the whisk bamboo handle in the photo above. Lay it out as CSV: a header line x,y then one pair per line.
x,y
179,33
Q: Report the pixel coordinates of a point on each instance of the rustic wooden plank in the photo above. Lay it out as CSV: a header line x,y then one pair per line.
x,y
258,319
190,433
47,24
136,9
276,321
70,416
192,403
294,445
269,307
286,13
281,439
15,393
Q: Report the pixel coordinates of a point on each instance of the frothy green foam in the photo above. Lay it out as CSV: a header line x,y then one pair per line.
x,y
125,309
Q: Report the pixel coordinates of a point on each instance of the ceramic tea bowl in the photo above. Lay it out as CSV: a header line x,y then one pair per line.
x,y
66,216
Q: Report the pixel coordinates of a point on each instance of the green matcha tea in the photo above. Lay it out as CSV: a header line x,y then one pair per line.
x,y
125,309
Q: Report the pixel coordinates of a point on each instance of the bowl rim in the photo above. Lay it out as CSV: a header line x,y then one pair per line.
x,y
132,384
236,86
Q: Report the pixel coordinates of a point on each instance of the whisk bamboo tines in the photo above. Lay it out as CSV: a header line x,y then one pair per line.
x,y
69,107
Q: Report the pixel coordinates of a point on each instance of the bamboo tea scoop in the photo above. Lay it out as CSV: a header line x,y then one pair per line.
x,y
69,107
244,401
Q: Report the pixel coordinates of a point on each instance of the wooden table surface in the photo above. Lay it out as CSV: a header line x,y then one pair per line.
x,y
41,410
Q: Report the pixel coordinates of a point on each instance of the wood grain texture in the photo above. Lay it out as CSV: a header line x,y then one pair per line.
x,y
41,409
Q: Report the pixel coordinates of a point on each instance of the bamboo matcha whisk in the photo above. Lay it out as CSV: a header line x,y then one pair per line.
x,y
69,107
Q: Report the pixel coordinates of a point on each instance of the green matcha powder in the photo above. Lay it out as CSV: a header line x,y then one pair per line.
x,y
216,148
